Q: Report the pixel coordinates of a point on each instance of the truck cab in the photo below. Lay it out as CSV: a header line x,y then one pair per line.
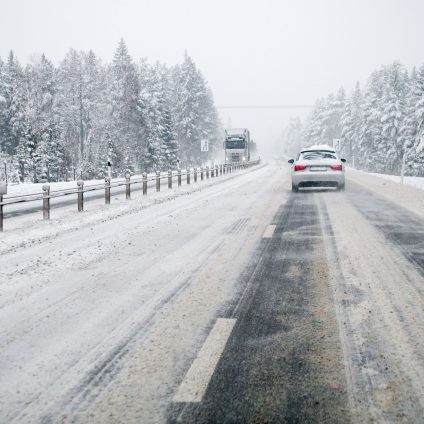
x,y
236,145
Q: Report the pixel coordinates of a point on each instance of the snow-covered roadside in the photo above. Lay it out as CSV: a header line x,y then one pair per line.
x,y
30,229
407,196
147,283
417,182
26,189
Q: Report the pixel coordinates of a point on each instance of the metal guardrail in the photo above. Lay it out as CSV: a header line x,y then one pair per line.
x,y
46,194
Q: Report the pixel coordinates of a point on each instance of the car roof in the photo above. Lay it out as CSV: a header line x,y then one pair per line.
x,y
321,147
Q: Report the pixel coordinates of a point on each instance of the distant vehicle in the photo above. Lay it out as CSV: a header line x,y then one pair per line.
x,y
237,145
318,166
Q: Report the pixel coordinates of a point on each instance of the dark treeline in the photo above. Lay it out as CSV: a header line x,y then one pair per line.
x,y
377,127
66,121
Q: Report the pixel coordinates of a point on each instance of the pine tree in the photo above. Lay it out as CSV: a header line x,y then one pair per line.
x,y
395,88
351,124
191,94
12,97
331,117
416,156
370,134
125,117
315,125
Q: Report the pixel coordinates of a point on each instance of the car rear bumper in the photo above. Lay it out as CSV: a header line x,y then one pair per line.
x,y
315,179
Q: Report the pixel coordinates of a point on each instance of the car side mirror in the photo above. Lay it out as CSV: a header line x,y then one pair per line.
x,y
343,160
291,161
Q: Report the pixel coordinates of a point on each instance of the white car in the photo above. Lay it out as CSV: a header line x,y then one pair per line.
x,y
318,166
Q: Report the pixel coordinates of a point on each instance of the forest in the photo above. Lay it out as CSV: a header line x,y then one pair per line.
x,y
378,127
68,121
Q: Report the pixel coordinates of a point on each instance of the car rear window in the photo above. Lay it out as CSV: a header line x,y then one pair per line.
x,y
317,154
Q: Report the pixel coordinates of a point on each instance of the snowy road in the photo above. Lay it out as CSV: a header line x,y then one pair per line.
x,y
237,302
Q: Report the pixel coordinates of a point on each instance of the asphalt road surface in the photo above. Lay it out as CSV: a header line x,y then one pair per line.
x,y
238,303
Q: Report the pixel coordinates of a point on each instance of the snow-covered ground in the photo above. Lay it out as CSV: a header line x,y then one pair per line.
x,y
104,311
29,228
407,196
81,291
417,182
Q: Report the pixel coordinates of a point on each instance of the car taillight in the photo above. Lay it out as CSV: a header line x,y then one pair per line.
x,y
299,167
336,167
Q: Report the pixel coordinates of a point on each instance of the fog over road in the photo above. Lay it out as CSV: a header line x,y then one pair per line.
x,y
239,302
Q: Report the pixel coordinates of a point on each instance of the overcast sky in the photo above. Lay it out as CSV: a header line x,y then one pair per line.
x,y
262,52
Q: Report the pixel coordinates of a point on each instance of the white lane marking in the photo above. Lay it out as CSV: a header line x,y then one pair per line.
x,y
196,381
269,232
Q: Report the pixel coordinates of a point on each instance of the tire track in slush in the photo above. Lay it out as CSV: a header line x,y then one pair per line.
x,y
379,300
284,360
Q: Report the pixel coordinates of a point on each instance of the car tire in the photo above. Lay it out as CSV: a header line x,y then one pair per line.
x,y
341,187
295,188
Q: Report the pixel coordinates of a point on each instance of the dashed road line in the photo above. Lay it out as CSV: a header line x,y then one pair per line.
x,y
269,232
196,381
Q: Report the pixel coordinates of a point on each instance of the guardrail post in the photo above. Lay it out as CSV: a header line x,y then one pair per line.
x,y
212,171
220,169
157,181
80,184
46,201
144,183
1,213
107,190
128,186
169,179
179,177
201,173
207,172
217,170
195,175
188,175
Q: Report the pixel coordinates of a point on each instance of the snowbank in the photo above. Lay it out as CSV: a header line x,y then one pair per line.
x,y
417,182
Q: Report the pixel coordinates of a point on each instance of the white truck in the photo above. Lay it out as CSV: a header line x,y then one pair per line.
x,y
237,145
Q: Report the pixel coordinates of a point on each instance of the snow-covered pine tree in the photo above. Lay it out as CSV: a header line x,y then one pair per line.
x,y
331,117
151,95
391,148
314,127
190,91
71,109
408,130
45,91
212,126
125,114
416,157
95,110
370,133
12,103
38,152
351,124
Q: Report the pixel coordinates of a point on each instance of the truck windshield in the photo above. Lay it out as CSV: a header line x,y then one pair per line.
x,y
235,143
